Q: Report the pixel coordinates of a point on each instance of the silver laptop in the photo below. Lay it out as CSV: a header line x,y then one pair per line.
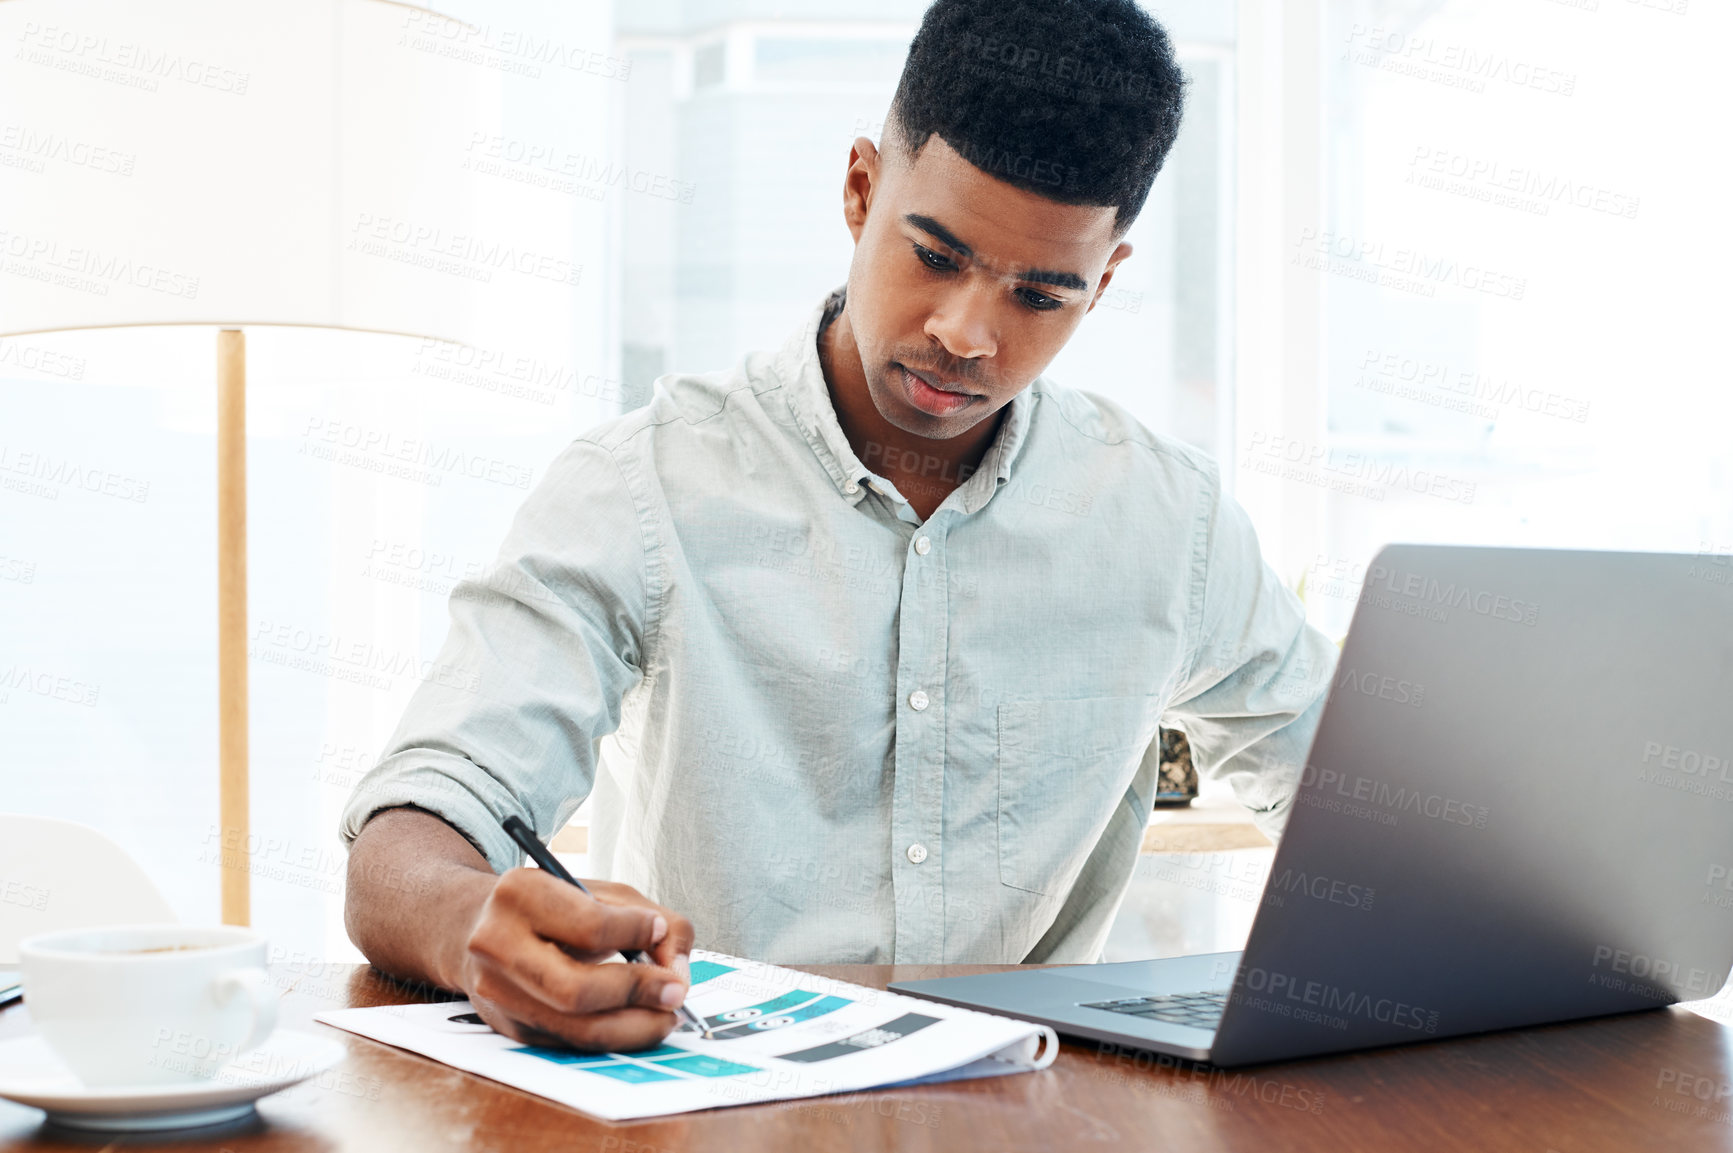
x,y
1517,809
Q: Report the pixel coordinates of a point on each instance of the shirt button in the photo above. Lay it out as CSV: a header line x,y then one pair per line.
x,y
917,854
851,488
917,700
923,545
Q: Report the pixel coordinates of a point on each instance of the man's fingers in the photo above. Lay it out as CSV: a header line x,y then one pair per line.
x,y
678,943
529,964
570,986
561,913
620,1030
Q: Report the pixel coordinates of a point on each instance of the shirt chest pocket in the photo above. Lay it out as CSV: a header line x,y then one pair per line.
x,y
1062,767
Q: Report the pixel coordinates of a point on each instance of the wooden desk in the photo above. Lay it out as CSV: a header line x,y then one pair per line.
x,y
1610,1085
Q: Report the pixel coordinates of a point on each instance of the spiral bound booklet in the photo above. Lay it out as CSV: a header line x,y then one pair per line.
x,y
775,1035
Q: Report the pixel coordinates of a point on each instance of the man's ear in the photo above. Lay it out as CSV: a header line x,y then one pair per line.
x,y
1119,254
858,184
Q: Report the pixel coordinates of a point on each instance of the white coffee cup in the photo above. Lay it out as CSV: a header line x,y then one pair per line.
x,y
148,1004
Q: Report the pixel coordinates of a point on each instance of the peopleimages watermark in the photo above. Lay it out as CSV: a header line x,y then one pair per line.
x,y
182,1051
47,361
1399,268
727,751
559,169
31,150
1717,1008
89,270
342,658
519,51
923,474
1381,685
25,896
306,866
1259,666
16,570
1670,7
1222,874
342,765
846,667
1693,1095
1718,889
1122,300
1320,1003
1381,802
1713,564
49,684
1453,65
1436,383
834,1107
1035,169
275,859
1687,770
1504,185
1670,977
1412,594
411,458
411,566
1328,890
1431,592
511,373
124,62
795,550
1208,1083
455,253
850,890
1034,66
881,456
1350,473
40,474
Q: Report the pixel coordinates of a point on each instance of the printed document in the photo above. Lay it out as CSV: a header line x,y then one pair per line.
x,y
775,1035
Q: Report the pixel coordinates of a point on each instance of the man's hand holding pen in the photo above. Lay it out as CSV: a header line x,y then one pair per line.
x,y
535,963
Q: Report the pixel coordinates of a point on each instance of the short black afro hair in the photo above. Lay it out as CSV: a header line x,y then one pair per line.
x,y
1075,100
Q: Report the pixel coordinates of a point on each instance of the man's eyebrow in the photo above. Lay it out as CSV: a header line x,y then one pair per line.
x,y
1034,275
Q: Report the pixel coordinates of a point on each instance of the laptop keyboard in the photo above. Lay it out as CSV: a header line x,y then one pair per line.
x,y
1196,1010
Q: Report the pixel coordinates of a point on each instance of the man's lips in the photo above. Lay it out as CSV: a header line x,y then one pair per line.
x,y
930,398
935,382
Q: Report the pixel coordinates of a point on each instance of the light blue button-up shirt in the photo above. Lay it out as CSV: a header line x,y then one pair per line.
x,y
827,730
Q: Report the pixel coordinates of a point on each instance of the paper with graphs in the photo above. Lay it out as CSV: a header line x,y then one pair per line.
x,y
776,1034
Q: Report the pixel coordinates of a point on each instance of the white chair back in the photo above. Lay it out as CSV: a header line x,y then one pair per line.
x,y
61,875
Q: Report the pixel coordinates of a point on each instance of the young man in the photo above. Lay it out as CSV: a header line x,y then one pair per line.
x,y
861,646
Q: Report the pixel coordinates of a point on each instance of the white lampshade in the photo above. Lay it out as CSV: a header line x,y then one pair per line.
x,y
241,162
314,163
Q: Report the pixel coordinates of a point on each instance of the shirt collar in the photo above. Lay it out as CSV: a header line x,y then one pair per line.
x,y
797,366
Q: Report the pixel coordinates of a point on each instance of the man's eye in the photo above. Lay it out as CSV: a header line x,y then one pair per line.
x,y
932,259
1039,301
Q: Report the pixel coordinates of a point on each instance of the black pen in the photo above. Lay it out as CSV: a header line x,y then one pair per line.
x,y
526,839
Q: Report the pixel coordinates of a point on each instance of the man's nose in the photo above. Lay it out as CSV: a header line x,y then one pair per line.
x,y
963,322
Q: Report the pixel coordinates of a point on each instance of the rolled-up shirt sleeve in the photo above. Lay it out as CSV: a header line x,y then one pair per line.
x,y
1259,675
542,647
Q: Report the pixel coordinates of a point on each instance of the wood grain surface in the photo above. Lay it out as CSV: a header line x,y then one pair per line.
x,y
1649,1081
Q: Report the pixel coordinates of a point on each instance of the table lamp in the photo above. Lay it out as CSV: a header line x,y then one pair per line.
x,y
234,163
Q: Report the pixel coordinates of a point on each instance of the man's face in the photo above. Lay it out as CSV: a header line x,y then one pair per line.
x,y
963,288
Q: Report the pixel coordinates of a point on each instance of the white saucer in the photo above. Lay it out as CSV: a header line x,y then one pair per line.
x,y
32,1075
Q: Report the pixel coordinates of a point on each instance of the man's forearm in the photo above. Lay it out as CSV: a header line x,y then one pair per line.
x,y
415,887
